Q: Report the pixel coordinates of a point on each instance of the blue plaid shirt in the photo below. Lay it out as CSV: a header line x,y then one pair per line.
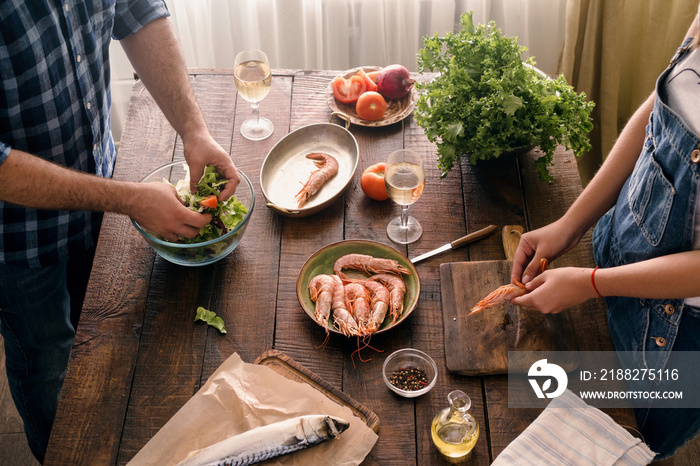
x,y
55,103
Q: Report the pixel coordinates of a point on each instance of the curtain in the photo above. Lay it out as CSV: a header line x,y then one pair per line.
x,y
338,34
614,51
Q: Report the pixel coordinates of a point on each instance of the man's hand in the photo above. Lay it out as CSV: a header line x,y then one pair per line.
x,y
203,150
158,209
155,53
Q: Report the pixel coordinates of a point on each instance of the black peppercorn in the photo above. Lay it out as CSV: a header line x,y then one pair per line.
x,y
409,378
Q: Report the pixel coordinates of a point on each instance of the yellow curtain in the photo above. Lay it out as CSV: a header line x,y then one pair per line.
x,y
613,51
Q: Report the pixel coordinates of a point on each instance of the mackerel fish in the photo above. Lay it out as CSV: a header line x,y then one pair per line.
x,y
270,441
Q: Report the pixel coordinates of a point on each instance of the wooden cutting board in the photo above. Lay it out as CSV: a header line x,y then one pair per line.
x,y
479,344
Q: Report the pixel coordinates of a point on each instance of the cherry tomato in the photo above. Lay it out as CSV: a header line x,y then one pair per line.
x,y
348,90
209,201
371,85
372,182
371,106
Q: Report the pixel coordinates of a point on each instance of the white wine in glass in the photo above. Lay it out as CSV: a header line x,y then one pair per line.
x,y
404,179
251,71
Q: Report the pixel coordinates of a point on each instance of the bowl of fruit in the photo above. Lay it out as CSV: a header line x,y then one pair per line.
x,y
373,95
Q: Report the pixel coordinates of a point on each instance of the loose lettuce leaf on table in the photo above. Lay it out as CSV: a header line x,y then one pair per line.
x,y
210,318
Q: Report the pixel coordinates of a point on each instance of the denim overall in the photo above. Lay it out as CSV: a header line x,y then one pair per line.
x,y
654,216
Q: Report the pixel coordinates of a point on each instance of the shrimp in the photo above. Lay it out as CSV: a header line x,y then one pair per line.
x,y
321,288
368,264
397,290
500,294
327,168
379,303
505,292
357,298
341,316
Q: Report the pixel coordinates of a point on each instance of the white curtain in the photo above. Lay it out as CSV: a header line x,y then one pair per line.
x,y
338,34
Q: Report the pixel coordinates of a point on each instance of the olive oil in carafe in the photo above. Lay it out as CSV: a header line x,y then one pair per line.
x,y
455,431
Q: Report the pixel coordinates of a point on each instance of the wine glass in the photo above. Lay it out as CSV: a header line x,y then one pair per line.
x,y
251,71
404,179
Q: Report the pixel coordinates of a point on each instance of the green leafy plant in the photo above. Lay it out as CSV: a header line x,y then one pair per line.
x,y
484,100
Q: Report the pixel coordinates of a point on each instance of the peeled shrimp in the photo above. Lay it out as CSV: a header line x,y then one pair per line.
x,y
357,298
368,264
327,168
341,316
397,290
321,288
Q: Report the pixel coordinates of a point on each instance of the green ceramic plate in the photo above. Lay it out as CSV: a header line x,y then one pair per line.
x,y
322,262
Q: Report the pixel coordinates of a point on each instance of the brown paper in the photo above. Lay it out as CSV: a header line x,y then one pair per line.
x,y
241,396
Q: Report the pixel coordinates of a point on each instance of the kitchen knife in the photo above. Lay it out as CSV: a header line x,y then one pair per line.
x,y
470,238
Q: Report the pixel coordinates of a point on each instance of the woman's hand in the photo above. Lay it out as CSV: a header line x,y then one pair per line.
x,y
556,290
548,242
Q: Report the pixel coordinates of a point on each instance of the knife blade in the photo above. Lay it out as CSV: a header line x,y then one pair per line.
x,y
470,238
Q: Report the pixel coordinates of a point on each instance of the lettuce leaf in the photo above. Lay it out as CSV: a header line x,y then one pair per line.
x,y
227,215
484,100
210,318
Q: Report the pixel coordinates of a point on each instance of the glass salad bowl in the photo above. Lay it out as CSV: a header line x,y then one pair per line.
x,y
205,252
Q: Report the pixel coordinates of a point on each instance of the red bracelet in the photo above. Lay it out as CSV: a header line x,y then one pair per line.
x,y
593,282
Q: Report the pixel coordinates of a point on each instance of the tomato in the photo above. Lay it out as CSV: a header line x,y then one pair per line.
x,y
374,75
372,182
209,201
371,85
348,90
371,106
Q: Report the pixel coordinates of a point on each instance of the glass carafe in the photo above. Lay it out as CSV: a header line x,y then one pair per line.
x,y
454,430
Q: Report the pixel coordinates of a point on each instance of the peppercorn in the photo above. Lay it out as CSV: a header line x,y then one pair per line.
x,y
409,378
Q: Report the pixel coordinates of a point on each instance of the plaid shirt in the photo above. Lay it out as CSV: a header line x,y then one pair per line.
x,y
55,103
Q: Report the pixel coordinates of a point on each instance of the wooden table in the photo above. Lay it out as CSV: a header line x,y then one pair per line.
x,y
138,356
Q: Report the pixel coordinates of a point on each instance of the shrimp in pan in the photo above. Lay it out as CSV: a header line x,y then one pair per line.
x,y
368,264
327,168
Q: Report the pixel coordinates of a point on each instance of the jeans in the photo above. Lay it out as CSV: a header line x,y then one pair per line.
x,y
39,311
653,217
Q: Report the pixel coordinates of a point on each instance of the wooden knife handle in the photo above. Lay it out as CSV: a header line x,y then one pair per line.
x,y
511,237
471,237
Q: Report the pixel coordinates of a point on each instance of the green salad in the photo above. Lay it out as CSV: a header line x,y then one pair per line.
x,y
226,215
485,100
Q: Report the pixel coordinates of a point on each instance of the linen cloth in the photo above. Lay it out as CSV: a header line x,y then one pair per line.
x,y
571,432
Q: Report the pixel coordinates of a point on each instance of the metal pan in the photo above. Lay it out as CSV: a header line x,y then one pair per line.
x,y
286,168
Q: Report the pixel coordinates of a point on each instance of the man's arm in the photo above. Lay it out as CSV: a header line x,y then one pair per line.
x,y
33,182
158,60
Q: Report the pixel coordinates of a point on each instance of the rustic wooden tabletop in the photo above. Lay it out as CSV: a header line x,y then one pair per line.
x,y
138,356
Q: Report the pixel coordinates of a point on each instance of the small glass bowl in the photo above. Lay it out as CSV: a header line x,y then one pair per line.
x,y
409,357
207,252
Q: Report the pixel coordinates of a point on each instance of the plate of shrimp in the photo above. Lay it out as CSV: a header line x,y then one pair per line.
x,y
309,169
358,288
